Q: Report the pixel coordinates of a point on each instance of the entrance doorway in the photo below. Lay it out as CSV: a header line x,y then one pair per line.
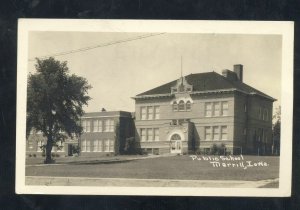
x,y
70,149
176,144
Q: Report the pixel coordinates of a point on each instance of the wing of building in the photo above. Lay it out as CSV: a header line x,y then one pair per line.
x,y
201,111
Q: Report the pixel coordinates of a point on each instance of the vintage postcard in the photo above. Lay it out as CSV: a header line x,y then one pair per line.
x,y
164,107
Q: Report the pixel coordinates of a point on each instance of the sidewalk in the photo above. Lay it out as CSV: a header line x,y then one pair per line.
x,y
93,160
125,182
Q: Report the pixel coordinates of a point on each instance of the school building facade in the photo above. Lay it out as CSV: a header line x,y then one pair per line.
x,y
104,133
199,110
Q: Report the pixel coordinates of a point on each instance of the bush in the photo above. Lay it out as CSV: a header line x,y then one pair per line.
x,y
57,155
219,149
29,155
34,155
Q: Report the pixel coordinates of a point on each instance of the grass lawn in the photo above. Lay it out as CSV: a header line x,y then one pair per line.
x,y
175,167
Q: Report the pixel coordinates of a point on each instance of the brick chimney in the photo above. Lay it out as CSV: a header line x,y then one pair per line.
x,y
238,69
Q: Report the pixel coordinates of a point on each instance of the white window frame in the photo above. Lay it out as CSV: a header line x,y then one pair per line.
x,y
143,113
216,104
156,112
95,145
188,106
111,146
175,106
208,112
149,137
88,145
150,114
106,145
181,103
224,108
207,130
83,145
224,127
214,129
156,134
143,131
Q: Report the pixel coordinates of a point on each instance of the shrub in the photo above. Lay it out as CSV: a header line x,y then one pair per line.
x,y
34,155
57,155
29,155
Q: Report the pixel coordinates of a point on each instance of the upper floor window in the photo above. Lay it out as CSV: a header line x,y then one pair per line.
x,y
181,105
109,125
216,109
86,125
216,132
97,126
156,112
143,113
175,106
150,112
208,109
188,106
224,108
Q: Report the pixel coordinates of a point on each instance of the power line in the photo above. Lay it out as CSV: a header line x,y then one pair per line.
x,y
97,46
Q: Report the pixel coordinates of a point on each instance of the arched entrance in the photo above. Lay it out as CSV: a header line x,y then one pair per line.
x,y
176,144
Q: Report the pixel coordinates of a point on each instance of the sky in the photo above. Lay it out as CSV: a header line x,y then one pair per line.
x,y
120,71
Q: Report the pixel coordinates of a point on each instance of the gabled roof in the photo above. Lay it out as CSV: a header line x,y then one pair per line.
x,y
208,81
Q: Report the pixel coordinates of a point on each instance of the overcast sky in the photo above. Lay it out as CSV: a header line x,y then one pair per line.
x,y
118,72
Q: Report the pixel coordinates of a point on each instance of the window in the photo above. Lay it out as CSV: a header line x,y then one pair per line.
x,y
208,109
216,132
188,106
175,137
224,132
207,133
86,125
143,134
216,109
111,146
181,105
97,126
175,106
83,145
88,146
100,145
106,145
156,111
109,125
150,112
95,146
224,108
39,146
143,113
156,134
150,134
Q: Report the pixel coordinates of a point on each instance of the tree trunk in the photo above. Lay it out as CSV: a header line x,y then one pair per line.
x,y
48,150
